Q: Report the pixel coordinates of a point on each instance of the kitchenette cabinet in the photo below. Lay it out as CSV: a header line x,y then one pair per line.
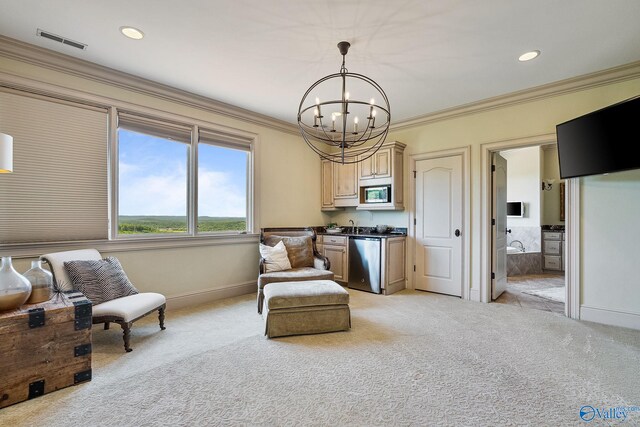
x,y
339,185
343,185
384,168
335,248
392,259
394,254
377,166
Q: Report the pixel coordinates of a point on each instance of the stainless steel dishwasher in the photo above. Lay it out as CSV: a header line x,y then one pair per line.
x,y
364,263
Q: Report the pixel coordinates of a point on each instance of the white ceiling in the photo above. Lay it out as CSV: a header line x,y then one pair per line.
x,y
262,55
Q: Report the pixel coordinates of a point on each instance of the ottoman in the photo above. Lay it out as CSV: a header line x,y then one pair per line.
x,y
309,307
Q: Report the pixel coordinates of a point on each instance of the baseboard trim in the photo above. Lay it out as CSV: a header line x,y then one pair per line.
x,y
474,295
192,299
610,317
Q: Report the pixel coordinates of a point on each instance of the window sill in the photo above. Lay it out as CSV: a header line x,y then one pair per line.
x,y
32,250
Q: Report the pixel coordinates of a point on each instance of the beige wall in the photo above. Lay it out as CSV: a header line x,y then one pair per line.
x,y
289,194
289,180
609,289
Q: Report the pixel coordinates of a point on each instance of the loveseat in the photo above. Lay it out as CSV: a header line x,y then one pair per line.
x,y
306,262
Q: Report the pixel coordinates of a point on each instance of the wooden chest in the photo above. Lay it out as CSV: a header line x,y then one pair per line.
x,y
44,347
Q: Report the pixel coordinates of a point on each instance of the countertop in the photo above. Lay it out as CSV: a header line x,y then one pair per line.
x,y
365,233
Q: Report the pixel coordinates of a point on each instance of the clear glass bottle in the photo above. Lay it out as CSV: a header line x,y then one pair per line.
x,y
41,283
14,287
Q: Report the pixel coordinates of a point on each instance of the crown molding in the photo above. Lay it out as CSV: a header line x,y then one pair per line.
x,y
25,52
574,84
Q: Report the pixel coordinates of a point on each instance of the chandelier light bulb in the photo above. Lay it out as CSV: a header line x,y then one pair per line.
x,y
346,96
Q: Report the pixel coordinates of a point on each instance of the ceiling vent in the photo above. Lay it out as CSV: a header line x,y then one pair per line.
x,y
59,39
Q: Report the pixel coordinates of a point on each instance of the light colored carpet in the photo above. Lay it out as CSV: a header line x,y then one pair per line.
x,y
411,358
554,294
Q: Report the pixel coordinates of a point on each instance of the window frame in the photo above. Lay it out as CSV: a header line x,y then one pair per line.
x,y
228,137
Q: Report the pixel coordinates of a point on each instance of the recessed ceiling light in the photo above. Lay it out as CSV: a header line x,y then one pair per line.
x,y
529,56
132,33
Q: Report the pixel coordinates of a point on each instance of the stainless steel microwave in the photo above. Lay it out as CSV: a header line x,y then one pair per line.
x,y
377,194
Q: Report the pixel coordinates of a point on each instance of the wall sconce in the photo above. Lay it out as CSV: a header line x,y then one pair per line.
x,y
547,184
6,153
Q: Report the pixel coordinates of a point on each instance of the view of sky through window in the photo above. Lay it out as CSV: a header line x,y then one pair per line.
x,y
152,196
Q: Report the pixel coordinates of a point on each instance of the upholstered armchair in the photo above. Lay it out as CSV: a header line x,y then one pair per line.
x,y
306,262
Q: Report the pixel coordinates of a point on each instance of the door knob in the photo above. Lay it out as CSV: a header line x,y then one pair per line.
x,y
507,230
457,233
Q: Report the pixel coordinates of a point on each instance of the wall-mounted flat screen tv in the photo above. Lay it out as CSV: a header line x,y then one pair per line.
x,y
599,142
515,209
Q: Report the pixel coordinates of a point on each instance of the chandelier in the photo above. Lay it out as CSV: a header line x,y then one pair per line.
x,y
347,129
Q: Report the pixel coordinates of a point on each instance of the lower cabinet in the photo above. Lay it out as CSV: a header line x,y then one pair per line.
x,y
393,264
552,250
392,258
335,248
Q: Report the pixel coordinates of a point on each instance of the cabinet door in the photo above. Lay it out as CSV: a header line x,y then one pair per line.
x,y
383,163
367,170
395,260
338,258
327,184
345,181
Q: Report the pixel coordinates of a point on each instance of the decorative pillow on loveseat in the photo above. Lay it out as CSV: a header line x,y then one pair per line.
x,y
101,280
299,249
275,257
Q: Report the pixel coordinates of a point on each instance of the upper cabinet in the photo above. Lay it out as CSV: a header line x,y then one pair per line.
x,y
384,168
339,185
327,185
342,185
345,184
377,166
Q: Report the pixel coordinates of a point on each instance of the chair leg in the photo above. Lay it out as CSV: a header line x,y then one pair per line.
x,y
161,317
106,326
126,333
260,300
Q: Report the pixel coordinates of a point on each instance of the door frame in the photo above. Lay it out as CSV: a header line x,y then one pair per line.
x,y
465,152
572,222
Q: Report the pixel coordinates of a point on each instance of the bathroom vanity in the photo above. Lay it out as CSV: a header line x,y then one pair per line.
x,y
553,248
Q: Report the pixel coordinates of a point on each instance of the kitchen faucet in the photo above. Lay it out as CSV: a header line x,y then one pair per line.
x,y
353,226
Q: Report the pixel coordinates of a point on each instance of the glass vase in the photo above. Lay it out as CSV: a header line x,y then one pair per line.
x,y
14,287
41,283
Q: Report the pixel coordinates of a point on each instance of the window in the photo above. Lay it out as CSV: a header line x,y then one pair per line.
x,y
152,177
222,185
159,168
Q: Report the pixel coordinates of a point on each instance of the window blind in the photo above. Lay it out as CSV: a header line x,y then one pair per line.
x,y
224,139
161,129
58,189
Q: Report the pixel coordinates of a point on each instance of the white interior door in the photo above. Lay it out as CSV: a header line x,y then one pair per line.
x,y
439,225
499,228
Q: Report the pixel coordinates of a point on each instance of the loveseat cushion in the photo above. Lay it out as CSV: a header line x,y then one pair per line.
x,y
304,294
295,274
299,249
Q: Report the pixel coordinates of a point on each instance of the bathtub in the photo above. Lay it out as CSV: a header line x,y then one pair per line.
x,y
519,262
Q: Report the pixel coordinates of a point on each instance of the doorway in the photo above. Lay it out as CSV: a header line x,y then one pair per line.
x,y
550,267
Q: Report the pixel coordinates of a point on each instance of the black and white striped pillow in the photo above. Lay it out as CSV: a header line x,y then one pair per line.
x,y
100,280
